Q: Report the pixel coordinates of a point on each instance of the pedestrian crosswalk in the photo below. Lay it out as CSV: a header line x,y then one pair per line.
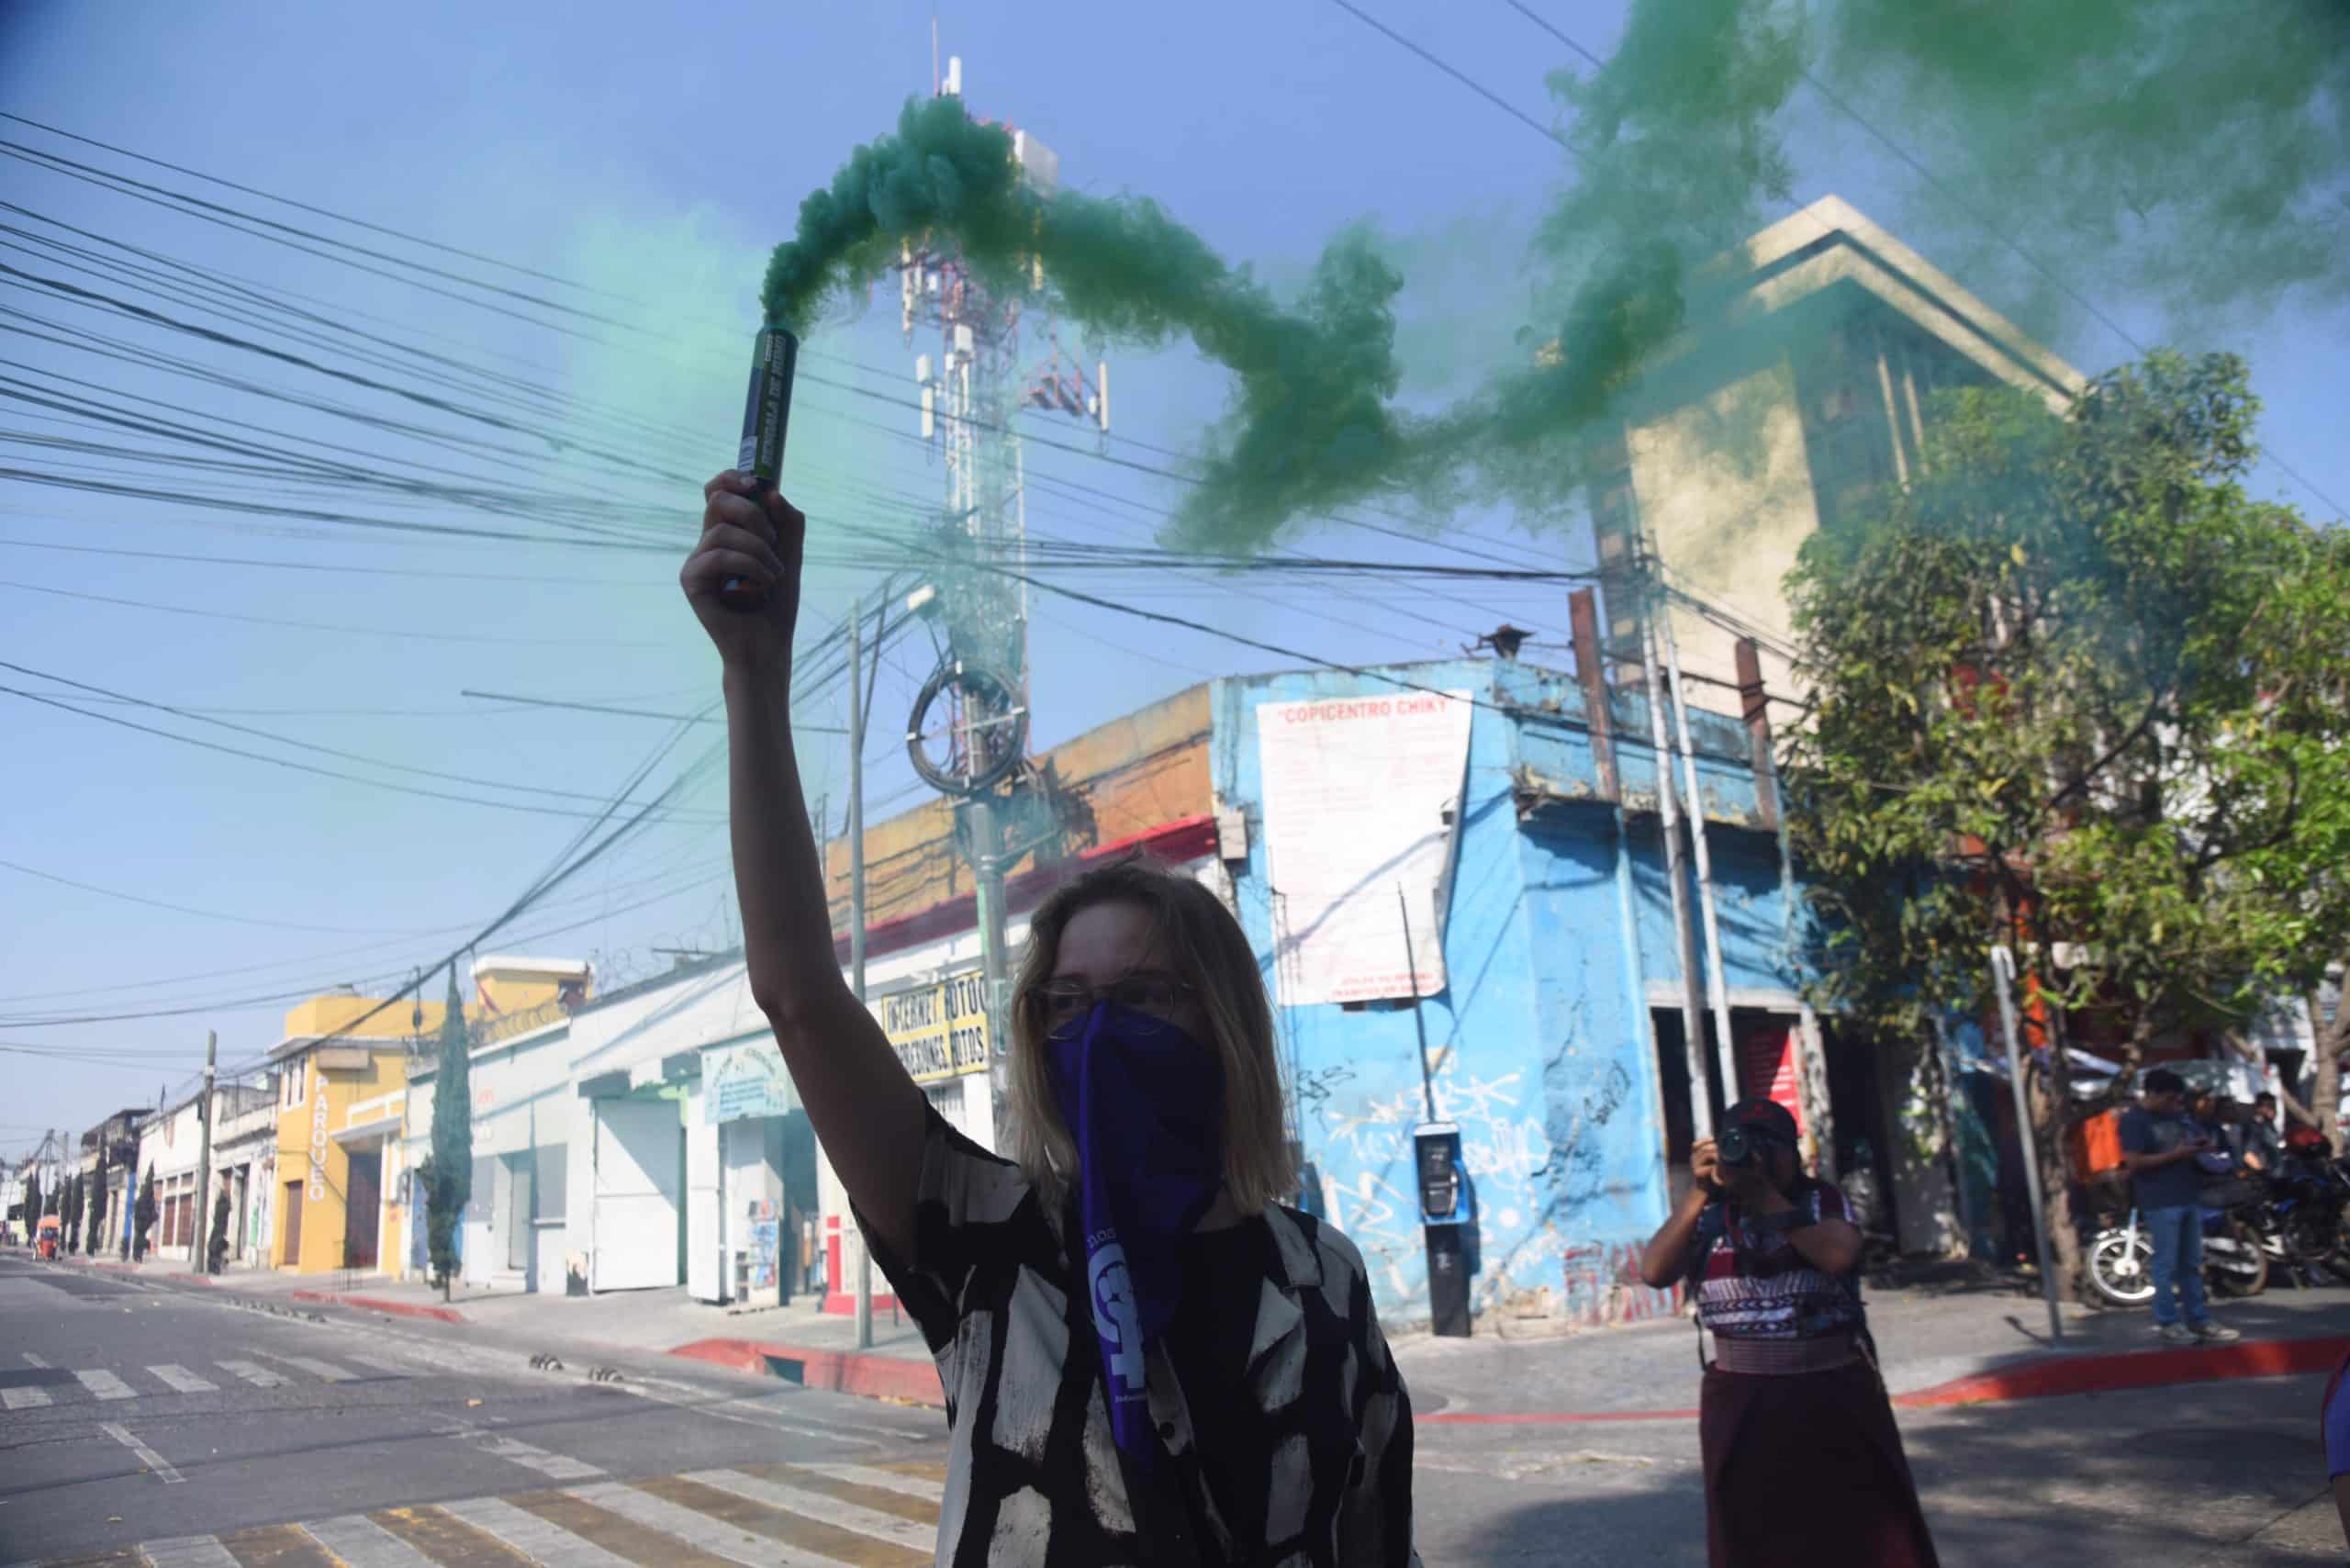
x,y
750,1516
42,1386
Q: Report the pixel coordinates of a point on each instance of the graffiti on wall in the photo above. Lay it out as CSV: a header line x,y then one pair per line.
x,y
1556,1202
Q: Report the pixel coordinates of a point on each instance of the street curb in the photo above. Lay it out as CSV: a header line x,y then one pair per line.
x,y
377,1303
2048,1377
840,1371
135,1271
2059,1375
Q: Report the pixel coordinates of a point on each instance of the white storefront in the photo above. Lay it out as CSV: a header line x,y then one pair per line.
x,y
170,1147
646,1163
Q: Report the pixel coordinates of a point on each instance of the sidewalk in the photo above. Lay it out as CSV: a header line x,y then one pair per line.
x,y
795,1342
1936,1349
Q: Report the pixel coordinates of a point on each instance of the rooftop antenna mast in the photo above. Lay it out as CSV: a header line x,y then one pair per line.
x,y
968,732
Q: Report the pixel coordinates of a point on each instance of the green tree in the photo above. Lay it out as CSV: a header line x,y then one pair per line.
x,y
98,1222
142,1215
448,1173
2076,693
69,1215
215,1254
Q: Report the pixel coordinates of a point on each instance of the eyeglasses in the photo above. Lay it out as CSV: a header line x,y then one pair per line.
x,y
1063,1004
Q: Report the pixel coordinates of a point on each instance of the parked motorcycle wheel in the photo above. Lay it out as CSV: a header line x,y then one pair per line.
x,y
2315,1243
2243,1268
2121,1267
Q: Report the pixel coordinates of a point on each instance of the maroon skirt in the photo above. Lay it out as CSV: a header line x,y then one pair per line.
x,y
1807,1470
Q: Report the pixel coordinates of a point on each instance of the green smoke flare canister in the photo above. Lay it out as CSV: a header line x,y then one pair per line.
x,y
767,412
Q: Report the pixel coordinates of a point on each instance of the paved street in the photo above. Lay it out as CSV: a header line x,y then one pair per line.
x,y
2217,1474
140,1416
174,1427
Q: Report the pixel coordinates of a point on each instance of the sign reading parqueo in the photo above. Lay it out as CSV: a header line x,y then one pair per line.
x,y
940,1031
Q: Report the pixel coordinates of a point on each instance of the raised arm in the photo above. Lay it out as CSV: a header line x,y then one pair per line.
x,y
1666,1257
865,1110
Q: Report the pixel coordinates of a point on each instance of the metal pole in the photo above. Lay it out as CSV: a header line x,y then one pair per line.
x,y
1693,1030
204,1156
2027,1141
1717,988
1412,964
856,903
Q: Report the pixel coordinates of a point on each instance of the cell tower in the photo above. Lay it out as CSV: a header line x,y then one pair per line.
x,y
968,732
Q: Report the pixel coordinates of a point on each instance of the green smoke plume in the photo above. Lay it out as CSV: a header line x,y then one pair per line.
x,y
2167,143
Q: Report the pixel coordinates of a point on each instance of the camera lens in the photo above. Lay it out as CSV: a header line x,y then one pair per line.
x,y
1735,1147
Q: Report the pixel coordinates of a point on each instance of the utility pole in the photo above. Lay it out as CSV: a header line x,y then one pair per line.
x,y
1717,987
1693,1028
971,399
856,903
2002,976
204,1156
1419,1025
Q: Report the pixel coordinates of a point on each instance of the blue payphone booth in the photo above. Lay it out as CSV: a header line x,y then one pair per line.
x,y
1445,1218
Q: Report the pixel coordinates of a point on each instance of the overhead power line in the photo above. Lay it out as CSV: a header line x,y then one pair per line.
x,y
202,914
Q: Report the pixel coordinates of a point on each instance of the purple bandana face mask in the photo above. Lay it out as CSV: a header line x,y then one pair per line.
x,y
1144,1102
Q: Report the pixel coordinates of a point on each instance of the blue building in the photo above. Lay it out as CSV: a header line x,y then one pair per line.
x,y
1555,1040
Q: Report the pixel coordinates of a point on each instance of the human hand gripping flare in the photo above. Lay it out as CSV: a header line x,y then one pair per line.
x,y
743,578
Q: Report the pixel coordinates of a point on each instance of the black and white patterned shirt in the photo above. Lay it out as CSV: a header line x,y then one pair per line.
x,y
1034,1479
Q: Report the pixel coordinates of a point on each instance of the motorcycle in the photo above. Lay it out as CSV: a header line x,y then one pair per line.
x,y
2121,1258
2305,1231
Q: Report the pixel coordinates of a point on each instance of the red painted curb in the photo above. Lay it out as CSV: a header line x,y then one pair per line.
x,y
2133,1368
377,1303
2048,1378
843,1372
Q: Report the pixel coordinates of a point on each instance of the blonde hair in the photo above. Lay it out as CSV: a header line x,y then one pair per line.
x,y
1205,948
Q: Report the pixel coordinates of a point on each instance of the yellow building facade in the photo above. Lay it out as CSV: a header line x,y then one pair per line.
x,y
342,1103
342,1199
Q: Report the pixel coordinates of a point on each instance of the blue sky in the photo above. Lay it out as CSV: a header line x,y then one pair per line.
x,y
659,153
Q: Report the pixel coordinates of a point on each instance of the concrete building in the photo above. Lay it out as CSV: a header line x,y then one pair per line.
x,y
1804,385
342,1194
115,1144
511,1233
170,1144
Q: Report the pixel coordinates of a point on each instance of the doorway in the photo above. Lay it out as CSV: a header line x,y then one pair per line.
x,y
291,1223
363,1208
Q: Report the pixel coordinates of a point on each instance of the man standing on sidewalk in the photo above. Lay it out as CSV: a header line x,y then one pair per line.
x,y
2159,1143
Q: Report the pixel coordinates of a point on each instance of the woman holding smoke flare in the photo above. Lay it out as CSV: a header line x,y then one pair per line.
x,y
1803,1465
1146,1359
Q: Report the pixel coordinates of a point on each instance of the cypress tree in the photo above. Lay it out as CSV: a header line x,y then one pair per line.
x,y
142,1213
448,1174
97,1225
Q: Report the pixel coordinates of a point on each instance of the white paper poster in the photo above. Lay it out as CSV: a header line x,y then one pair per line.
x,y
1360,795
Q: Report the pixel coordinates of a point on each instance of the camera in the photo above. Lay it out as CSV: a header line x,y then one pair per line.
x,y
1737,1145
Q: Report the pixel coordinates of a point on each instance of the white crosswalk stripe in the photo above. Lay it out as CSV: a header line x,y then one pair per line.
x,y
24,1399
188,1552
180,1378
357,1541
816,1506
698,1529
554,1466
253,1373
104,1385
326,1371
541,1540
887,1480
33,1360
361,1542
